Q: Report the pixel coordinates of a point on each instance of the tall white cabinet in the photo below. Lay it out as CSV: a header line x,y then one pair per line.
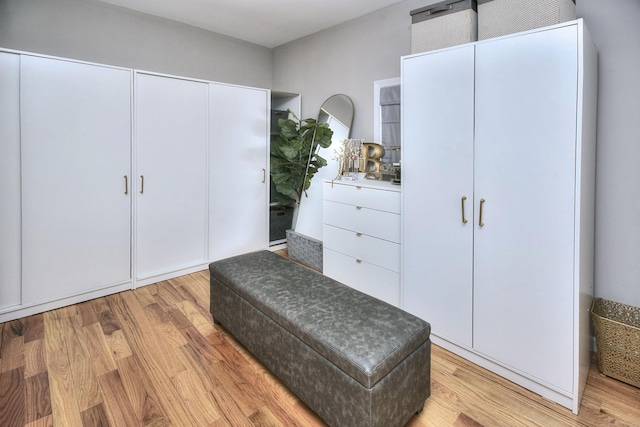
x,y
75,162
171,174
238,175
114,178
498,203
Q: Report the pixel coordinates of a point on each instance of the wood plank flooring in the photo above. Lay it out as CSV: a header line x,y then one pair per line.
x,y
153,357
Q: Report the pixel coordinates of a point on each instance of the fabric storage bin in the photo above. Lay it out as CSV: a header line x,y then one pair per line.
x,y
444,24
500,17
280,219
617,331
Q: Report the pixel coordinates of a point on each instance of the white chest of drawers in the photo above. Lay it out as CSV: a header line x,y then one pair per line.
x,y
361,236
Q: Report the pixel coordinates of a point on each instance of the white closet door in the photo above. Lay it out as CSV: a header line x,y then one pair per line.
x,y
10,294
171,177
525,170
437,172
238,205
76,142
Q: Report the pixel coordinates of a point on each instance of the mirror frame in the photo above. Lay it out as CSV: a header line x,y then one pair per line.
x,y
350,109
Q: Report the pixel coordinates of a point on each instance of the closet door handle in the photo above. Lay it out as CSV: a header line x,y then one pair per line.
x,y
141,184
480,223
126,185
264,175
464,220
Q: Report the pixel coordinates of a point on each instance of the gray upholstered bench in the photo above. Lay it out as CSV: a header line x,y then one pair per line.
x,y
353,359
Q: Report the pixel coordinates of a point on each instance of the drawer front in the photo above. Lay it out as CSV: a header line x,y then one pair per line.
x,y
374,223
362,276
373,198
360,246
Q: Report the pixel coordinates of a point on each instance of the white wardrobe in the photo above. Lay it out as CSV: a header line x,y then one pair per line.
x,y
498,203
201,162
115,178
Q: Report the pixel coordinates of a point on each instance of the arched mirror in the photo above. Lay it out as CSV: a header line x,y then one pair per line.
x,y
337,111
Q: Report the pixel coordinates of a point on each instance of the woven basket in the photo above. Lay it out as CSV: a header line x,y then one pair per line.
x,y
304,249
617,330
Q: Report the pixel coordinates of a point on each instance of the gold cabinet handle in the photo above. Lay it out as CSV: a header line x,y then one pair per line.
x,y
141,184
464,220
358,207
480,223
264,175
358,260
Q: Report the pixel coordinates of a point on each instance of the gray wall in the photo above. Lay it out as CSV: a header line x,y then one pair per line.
x,y
348,58
615,30
93,31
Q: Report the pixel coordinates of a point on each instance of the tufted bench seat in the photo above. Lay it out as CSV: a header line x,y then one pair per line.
x,y
353,359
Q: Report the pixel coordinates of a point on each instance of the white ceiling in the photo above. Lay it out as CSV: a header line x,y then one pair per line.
x,y
268,23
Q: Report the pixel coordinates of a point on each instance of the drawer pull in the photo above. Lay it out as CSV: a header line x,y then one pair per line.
x,y
358,207
358,234
358,260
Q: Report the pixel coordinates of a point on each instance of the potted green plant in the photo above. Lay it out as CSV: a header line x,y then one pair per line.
x,y
294,161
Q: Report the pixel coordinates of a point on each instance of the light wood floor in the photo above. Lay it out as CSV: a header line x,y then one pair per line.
x,y
153,357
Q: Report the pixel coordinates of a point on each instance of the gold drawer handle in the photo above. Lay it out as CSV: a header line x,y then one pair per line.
x,y
358,234
358,260
358,207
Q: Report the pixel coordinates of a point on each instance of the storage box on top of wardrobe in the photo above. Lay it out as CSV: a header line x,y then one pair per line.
x,y
501,17
444,24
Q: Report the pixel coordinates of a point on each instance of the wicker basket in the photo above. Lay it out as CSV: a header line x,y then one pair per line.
x,y
617,330
304,249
